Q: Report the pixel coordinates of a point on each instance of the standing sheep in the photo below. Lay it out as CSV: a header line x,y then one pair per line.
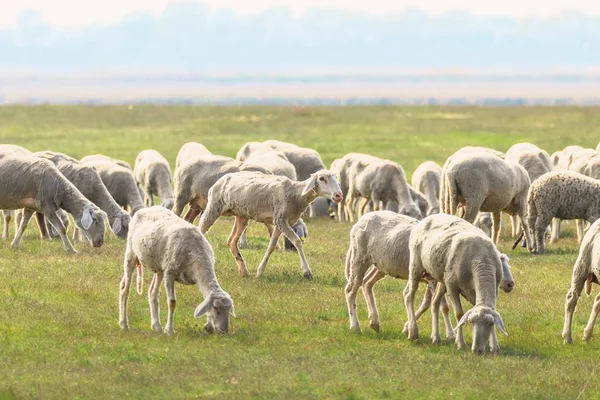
x,y
562,195
11,150
36,185
176,251
268,199
585,272
88,182
463,261
190,150
153,175
426,179
485,182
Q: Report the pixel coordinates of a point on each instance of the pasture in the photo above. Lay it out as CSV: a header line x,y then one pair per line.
x,y
59,334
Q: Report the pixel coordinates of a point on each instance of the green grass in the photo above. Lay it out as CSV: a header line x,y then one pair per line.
x,y
59,335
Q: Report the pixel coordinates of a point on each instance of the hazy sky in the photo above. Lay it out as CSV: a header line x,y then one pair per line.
x,y
75,13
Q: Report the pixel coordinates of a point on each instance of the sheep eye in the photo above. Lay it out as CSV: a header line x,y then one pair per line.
x,y
322,179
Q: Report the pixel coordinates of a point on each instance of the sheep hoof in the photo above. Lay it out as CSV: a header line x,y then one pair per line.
x,y
308,275
157,328
71,251
375,326
405,329
587,335
124,326
567,339
436,340
413,335
495,351
355,329
244,274
451,338
169,331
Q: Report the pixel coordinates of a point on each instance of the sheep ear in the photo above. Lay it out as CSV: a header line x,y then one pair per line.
x,y
203,307
86,218
499,323
463,320
310,185
117,225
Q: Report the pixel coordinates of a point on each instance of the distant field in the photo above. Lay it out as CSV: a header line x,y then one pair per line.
x,y
59,335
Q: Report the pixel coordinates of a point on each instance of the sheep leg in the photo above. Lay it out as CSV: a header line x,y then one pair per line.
x,y
289,233
579,225
60,228
270,248
363,207
41,221
350,202
496,226
193,212
7,218
243,241
446,315
171,301
355,280
471,211
435,313
458,313
493,342
514,222
372,277
153,301
27,214
129,263
415,272
538,234
589,328
555,232
577,283
238,229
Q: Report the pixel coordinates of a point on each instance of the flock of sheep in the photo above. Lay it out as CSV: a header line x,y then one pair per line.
x,y
442,230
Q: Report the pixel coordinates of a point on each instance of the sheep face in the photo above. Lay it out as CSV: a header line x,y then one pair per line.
x,y
217,310
483,319
507,284
93,224
168,203
410,210
326,185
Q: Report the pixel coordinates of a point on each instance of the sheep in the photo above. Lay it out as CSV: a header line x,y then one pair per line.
x,y
273,160
484,182
88,182
464,261
426,179
153,175
268,199
380,238
190,150
585,272
119,182
93,158
381,181
562,195
484,222
36,185
176,251
535,161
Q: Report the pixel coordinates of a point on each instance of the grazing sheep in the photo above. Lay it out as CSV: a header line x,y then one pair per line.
x,y
563,195
268,199
464,261
190,150
271,159
535,161
119,182
485,182
101,157
88,182
36,185
176,251
484,222
426,179
380,239
585,272
153,175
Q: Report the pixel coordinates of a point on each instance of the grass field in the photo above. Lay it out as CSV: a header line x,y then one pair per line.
x,y
59,335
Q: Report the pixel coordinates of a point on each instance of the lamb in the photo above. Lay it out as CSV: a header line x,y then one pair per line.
x,y
585,272
36,185
464,261
485,182
176,251
153,175
562,195
190,150
426,179
535,161
268,199
88,182
119,182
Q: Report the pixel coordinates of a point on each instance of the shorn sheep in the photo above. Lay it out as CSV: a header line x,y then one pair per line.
x,y
175,251
36,185
563,195
269,199
189,151
585,272
426,179
464,261
153,175
485,182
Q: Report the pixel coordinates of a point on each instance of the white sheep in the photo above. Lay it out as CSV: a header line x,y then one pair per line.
x,y
427,180
585,272
189,151
563,195
153,175
484,182
176,251
464,261
268,199
36,185
101,157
